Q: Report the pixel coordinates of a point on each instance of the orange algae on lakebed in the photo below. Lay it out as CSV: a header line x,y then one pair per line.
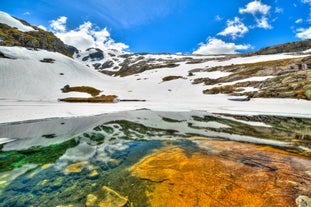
x,y
224,174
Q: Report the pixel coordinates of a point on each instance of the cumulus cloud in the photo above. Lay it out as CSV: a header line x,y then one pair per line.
x,y
235,28
260,12
308,2
304,33
255,7
263,23
59,25
217,46
85,36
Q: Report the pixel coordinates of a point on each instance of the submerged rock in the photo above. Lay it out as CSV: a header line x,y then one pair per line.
x,y
106,197
91,200
76,167
303,201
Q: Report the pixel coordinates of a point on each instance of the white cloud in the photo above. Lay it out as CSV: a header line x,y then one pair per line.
x,y
217,46
260,12
27,13
308,2
59,25
303,33
263,23
235,28
298,21
85,36
255,7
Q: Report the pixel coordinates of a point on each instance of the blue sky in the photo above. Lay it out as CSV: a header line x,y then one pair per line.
x,y
187,26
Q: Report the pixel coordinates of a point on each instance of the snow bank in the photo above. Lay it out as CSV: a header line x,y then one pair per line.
x,y
29,89
25,77
12,22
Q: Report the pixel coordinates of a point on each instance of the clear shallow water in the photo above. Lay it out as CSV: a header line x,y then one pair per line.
x,y
137,158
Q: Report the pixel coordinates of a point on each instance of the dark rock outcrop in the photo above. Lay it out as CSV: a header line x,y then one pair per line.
x,y
37,39
71,49
107,64
98,54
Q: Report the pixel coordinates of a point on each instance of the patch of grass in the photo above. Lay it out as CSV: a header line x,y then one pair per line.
x,y
222,89
83,89
33,39
171,77
170,120
99,99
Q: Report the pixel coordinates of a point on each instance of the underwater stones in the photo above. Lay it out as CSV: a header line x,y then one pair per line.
x,y
106,197
44,182
76,167
91,200
112,198
4,183
94,174
223,174
112,163
56,184
303,201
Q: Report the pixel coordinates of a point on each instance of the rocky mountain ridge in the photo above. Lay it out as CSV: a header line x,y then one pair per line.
x,y
289,47
35,38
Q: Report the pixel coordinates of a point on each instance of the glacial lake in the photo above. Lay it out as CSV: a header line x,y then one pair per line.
x,y
148,158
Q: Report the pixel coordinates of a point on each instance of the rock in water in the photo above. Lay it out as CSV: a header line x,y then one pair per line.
x,y
303,201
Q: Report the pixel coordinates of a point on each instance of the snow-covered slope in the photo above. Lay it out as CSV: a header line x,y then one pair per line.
x,y
12,22
100,59
25,77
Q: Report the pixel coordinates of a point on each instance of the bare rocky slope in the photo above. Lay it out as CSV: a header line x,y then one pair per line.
x,y
298,46
36,39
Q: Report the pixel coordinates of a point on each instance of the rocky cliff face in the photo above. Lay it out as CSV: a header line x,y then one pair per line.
x,y
297,46
37,39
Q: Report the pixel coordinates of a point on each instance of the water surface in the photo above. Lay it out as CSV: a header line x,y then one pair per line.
x,y
147,158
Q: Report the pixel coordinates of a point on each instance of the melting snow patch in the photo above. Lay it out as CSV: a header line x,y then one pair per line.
x,y
6,140
210,124
12,22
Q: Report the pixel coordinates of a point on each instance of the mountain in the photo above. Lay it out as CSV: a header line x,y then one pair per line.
x,y
28,74
254,83
15,32
298,46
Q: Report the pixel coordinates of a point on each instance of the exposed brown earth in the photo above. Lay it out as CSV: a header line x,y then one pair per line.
x,y
98,99
293,79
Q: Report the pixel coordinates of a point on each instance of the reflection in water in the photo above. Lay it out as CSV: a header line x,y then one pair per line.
x,y
142,158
